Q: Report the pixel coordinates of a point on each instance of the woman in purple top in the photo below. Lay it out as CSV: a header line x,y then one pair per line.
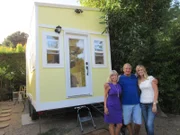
x,y
112,105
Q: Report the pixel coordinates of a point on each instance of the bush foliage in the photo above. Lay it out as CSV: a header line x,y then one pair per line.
x,y
12,69
148,33
19,49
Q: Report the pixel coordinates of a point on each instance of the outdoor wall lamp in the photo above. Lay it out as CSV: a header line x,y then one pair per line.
x,y
78,11
58,29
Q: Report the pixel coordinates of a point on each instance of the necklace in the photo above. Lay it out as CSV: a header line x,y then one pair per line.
x,y
117,90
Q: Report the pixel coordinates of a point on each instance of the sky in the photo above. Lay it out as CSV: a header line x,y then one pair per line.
x,y
15,15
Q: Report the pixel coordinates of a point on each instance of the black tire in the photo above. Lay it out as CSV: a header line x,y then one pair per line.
x,y
33,113
29,107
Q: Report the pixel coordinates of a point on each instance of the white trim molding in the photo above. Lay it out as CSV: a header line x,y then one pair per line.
x,y
90,64
103,52
77,91
60,49
37,88
109,53
72,30
69,103
48,4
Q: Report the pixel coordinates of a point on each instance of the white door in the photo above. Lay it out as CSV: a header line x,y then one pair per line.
x,y
78,71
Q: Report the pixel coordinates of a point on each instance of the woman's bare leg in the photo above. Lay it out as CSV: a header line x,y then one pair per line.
x,y
111,129
118,128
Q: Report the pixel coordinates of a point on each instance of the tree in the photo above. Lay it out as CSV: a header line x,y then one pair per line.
x,y
7,43
19,49
15,38
12,68
148,33
168,58
92,3
77,63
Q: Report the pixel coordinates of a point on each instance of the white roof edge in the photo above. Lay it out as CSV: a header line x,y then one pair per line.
x,y
64,6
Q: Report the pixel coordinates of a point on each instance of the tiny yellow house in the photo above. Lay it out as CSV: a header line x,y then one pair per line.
x,y
67,57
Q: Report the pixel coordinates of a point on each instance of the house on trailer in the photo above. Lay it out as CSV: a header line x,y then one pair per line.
x,y
67,57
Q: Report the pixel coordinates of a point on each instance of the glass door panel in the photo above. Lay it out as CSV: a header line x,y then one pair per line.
x,y
77,63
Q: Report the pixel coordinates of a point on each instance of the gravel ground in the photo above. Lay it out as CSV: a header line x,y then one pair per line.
x,y
67,124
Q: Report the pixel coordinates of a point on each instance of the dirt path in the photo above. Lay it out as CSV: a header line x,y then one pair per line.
x,y
67,124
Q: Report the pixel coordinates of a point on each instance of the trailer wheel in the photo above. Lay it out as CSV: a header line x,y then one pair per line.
x,y
33,114
29,107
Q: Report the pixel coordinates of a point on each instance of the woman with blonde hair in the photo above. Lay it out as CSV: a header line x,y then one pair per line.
x,y
148,98
112,105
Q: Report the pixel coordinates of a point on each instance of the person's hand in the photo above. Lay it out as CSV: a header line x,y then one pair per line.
x,y
106,111
154,108
155,81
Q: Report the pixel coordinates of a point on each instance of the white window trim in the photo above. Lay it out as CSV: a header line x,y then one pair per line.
x,y
45,48
104,53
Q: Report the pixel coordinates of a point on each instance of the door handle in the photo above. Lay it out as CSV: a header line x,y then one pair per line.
x,y
87,68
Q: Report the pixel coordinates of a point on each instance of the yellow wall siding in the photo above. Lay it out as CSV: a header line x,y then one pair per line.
x,y
52,81
88,20
99,77
52,85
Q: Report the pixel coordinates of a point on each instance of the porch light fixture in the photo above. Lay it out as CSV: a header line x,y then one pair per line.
x,y
78,11
58,29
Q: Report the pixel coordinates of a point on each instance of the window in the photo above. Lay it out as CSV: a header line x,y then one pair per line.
x,y
52,50
99,52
